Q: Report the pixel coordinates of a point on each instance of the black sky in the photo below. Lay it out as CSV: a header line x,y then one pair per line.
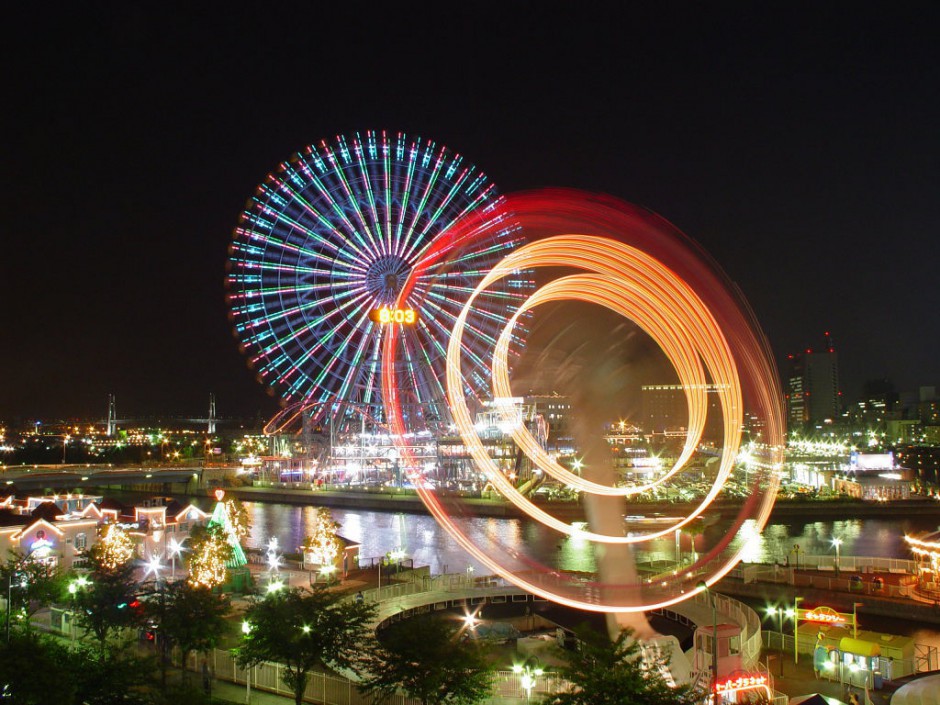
x,y
799,143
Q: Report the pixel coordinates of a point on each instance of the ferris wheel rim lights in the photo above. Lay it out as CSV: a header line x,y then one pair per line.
x,y
329,237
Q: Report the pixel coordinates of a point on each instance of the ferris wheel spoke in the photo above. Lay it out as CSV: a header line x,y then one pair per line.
x,y
329,199
442,331
351,199
321,220
367,192
428,186
409,178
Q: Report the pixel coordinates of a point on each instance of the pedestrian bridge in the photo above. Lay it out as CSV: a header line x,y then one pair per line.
x,y
428,594
432,593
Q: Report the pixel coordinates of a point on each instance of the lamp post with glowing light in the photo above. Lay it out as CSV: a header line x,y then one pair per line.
x,y
837,542
394,457
246,631
529,672
176,548
777,613
80,583
796,629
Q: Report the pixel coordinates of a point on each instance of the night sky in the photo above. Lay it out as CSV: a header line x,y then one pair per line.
x,y
800,146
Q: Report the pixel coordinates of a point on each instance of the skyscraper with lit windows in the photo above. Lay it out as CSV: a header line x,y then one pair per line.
x,y
812,387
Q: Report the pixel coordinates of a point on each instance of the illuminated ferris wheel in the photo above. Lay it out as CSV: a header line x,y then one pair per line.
x,y
321,253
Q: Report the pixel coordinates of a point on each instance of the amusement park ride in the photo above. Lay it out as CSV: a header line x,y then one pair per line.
x,y
380,286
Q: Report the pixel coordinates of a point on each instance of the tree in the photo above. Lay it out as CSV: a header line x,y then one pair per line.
x,y
115,549
238,517
424,657
107,602
602,672
189,616
303,629
209,552
32,584
322,545
29,663
121,678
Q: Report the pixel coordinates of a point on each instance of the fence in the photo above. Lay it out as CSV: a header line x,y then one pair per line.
x,y
337,690
857,564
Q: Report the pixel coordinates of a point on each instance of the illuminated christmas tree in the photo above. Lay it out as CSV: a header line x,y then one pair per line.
x,y
210,553
222,517
322,546
117,548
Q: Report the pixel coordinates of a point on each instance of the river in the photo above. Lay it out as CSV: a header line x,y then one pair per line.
x,y
428,544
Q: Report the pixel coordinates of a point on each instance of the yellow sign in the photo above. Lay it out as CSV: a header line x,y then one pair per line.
x,y
385,315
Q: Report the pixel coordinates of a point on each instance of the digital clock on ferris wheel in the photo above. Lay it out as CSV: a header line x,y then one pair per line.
x,y
385,315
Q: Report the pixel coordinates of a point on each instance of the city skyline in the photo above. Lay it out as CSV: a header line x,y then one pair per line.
x,y
798,149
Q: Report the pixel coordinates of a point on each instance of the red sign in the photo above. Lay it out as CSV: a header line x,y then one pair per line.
x,y
741,683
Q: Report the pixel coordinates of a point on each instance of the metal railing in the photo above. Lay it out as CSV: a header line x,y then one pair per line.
x,y
337,690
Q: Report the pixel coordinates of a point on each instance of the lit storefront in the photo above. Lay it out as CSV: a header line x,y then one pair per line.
x,y
926,550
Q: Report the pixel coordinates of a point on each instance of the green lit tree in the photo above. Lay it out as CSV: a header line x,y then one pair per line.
x,y
303,630
238,517
602,672
425,658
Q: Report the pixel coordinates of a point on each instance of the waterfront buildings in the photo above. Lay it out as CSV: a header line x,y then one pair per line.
x,y
58,528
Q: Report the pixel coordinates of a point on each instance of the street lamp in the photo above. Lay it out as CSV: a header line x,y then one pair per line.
x,y
528,672
702,585
246,630
776,613
176,548
394,456
796,629
837,542
154,566
796,550
80,583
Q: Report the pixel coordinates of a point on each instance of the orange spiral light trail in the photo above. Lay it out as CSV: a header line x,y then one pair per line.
x,y
689,310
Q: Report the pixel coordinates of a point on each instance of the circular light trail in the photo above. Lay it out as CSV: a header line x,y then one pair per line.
x,y
635,264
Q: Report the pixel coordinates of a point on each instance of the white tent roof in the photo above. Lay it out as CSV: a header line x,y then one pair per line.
x,y
923,691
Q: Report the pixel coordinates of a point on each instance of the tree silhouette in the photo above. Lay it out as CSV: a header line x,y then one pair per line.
x,y
602,672
305,629
425,658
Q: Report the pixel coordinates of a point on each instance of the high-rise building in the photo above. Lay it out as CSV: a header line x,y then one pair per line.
x,y
812,386
666,411
877,404
555,410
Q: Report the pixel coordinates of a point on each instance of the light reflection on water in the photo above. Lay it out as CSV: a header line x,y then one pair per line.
x,y
860,537
428,544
